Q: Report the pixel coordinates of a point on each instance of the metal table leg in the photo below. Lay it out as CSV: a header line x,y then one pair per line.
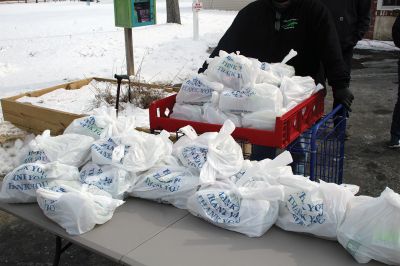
x,y
59,250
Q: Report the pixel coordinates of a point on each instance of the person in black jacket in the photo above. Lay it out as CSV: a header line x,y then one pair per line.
x,y
269,29
395,128
352,19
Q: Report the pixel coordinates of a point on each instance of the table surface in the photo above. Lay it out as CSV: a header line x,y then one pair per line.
x,y
145,233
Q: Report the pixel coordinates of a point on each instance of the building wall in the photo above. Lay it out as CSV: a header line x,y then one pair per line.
x,y
225,4
383,24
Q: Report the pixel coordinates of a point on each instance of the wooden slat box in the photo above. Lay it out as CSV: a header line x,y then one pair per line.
x,y
36,119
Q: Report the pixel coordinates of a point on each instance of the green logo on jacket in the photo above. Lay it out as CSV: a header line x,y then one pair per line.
x,y
289,24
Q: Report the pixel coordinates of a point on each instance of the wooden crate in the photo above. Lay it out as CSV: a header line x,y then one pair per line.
x,y
36,119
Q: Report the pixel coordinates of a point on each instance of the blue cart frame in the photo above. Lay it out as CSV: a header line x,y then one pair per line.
x,y
319,152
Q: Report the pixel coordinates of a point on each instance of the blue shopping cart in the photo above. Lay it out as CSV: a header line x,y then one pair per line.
x,y
319,152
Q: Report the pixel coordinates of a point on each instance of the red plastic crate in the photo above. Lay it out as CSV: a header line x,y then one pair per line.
x,y
287,128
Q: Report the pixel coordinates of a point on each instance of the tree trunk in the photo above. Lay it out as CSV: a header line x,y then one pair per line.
x,y
173,14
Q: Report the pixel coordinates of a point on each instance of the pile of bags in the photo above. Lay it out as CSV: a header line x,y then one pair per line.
x,y
79,179
249,93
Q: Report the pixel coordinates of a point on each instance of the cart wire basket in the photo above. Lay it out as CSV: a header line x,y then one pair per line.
x,y
319,151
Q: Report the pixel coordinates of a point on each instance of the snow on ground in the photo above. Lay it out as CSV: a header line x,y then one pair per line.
x,y
376,45
47,43
85,99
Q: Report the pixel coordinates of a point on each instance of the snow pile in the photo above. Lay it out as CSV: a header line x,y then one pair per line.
x,y
376,45
250,93
88,98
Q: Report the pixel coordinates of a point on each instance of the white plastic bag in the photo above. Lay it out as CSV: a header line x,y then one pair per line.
x,y
266,170
232,70
187,112
370,229
224,157
314,208
282,69
197,90
191,150
213,115
113,180
134,152
168,183
296,89
247,210
20,185
71,149
77,211
252,99
266,75
102,124
264,120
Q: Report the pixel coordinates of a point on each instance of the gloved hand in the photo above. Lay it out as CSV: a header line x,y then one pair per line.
x,y
344,97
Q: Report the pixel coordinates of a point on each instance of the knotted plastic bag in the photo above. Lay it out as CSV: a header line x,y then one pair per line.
x,y
253,98
232,70
314,208
282,69
77,210
224,157
102,124
191,149
250,210
370,229
266,75
71,149
134,152
113,180
167,182
20,185
266,170
297,89
197,90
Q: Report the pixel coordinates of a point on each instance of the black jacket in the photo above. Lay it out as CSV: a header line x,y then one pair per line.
x,y
352,19
304,26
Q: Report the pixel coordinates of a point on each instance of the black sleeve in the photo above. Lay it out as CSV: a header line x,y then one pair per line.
x,y
363,18
396,32
328,46
231,40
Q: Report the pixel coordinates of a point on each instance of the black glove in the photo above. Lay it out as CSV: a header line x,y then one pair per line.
x,y
344,97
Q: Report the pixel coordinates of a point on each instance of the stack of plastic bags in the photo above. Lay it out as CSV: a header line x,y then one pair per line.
x,y
79,181
250,93
94,163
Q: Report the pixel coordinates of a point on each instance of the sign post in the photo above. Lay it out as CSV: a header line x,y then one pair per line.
x,y
129,14
196,7
130,65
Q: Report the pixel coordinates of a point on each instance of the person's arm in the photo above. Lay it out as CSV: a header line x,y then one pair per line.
x,y
396,32
328,45
231,40
363,19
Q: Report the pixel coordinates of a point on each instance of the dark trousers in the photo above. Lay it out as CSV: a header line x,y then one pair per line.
x,y
395,128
